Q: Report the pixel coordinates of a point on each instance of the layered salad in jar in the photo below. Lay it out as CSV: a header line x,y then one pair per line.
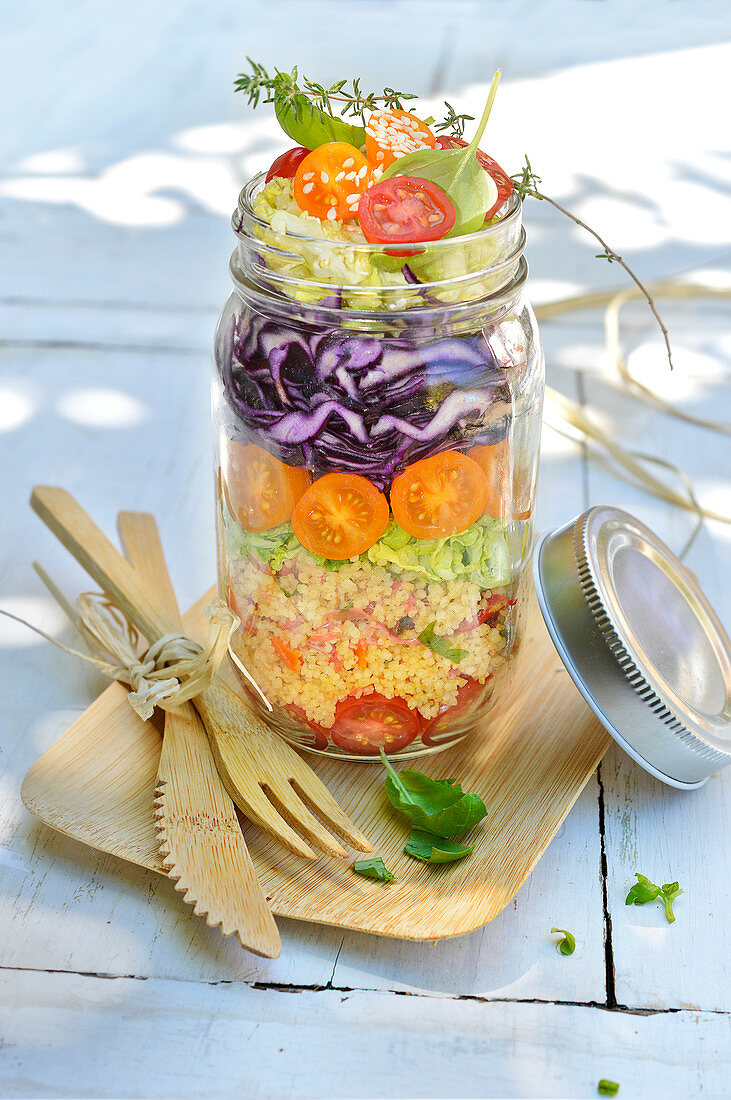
x,y
375,473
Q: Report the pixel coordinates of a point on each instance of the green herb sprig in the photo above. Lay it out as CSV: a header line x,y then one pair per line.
x,y
644,891
526,184
440,645
375,868
288,88
436,806
567,945
435,849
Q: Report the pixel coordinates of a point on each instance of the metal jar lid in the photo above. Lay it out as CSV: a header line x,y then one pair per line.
x,y
640,641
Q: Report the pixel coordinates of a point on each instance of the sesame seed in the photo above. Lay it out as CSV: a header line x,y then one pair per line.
x,y
363,172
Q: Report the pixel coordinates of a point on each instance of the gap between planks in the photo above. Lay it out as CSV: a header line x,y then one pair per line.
x,y
283,987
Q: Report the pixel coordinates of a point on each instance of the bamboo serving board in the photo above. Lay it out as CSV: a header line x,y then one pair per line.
x,y
541,745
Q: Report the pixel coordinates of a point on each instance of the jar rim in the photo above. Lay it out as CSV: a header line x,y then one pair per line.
x,y
245,210
431,314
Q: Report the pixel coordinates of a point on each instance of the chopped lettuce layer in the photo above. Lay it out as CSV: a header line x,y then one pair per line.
x,y
370,280
480,554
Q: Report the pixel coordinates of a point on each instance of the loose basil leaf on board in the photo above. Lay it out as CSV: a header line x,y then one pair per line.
x,y
458,173
309,126
438,806
435,849
567,945
440,646
373,868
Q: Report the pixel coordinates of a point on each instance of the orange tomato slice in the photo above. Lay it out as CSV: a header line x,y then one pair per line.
x,y
391,134
329,182
439,496
340,515
495,463
260,491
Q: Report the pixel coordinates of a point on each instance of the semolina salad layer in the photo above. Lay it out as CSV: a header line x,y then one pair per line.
x,y
313,635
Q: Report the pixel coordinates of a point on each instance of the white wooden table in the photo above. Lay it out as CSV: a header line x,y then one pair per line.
x,y
124,152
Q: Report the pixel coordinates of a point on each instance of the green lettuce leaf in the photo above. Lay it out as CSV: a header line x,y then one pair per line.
x,y
479,554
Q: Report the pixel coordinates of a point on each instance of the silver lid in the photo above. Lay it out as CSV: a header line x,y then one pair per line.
x,y
640,641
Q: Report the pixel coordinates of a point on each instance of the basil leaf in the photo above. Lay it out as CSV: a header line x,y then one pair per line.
x,y
435,849
309,126
438,806
458,173
373,868
567,945
440,645
607,1088
644,891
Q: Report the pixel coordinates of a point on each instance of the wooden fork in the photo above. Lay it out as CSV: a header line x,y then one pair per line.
x,y
264,776
203,850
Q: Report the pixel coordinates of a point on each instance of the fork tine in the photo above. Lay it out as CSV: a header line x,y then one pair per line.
x,y
293,809
248,795
315,794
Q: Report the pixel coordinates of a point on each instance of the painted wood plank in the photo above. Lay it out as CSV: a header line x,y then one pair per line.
x,y
663,833
83,1036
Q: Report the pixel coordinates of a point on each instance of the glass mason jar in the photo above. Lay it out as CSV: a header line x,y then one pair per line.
x,y
377,414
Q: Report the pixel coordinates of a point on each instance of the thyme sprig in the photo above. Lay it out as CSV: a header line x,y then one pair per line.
x,y
526,184
284,88
454,121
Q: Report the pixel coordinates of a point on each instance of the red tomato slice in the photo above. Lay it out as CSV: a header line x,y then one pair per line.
x,y
286,165
319,732
505,185
469,696
367,725
329,182
495,604
404,209
392,133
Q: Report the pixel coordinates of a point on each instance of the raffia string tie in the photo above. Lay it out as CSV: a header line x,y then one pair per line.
x,y
172,671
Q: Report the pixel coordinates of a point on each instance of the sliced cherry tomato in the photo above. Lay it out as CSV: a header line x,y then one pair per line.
x,y
391,134
494,462
439,496
469,696
329,182
287,654
340,515
320,734
260,490
404,209
366,725
286,165
505,185
494,605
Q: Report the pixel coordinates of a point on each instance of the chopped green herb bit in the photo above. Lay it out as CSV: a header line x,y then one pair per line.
x,y
435,805
607,1088
644,891
373,868
567,945
435,849
440,646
